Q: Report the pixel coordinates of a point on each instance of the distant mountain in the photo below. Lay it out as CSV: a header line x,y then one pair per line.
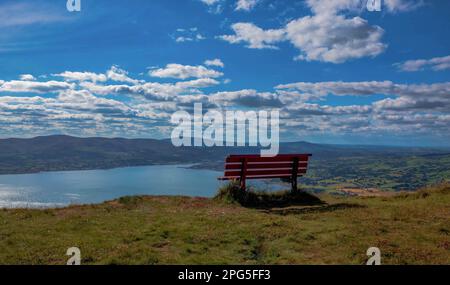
x,y
54,153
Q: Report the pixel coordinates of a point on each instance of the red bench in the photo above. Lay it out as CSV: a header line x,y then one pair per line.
x,y
243,167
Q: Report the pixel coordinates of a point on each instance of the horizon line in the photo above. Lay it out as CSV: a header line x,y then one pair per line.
x,y
168,139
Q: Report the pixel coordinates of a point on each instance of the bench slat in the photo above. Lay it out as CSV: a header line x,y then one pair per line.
x,y
250,166
286,171
280,155
280,158
257,177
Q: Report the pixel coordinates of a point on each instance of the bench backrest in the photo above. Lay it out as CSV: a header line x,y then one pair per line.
x,y
257,167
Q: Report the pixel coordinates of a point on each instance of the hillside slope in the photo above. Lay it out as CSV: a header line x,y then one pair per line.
x,y
408,228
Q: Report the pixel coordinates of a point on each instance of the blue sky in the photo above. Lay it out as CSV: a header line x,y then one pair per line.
x,y
337,72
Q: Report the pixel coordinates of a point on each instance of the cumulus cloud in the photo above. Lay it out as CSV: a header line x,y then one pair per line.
x,y
241,5
414,104
82,104
84,101
81,76
335,6
115,73
27,77
246,5
246,98
214,62
254,36
152,90
180,71
120,75
368,88
214,6
436,64
324,36
402,5
334,39
35,87
210,2
197,83
405,108
305,109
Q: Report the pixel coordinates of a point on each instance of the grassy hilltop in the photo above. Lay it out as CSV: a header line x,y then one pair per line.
x,y
408,228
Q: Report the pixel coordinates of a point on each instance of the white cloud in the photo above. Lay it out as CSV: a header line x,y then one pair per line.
x,y
325,36
27,77
182,39
152,90
180,71
436,64
334,39
357,6
137,108
369,88
82,100
196,38
402,5
214,6
214,62
187,35
198,83
426,107
35,87
210,2
246,5
114,73
306,109
117,74
247,98
82,76
408,103
255,37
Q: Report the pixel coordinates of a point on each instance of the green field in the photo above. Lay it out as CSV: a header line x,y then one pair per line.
x,y
383,172
408,228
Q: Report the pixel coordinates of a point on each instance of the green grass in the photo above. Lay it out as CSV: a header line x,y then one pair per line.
x,y
408,228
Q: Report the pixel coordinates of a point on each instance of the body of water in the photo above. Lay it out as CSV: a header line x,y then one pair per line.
x,y
57,189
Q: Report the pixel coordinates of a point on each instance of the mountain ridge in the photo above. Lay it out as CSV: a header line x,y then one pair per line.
x,y
62,152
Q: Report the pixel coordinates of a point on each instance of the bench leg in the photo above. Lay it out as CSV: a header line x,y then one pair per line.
x,y
294,176
243,174
243,184
294,184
